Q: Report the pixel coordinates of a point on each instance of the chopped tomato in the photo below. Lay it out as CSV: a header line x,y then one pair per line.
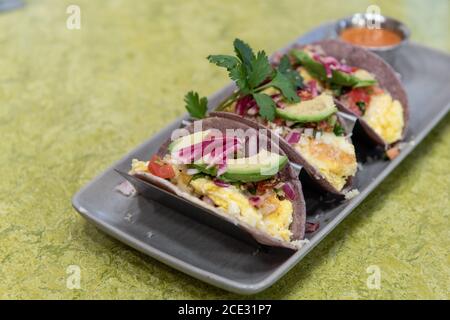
x,y
157,167
359,99
359,94
393,153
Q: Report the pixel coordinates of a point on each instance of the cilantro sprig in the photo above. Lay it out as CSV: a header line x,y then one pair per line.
x,y
252,74
195,105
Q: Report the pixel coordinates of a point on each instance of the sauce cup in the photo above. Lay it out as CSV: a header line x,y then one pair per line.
x,y
370,20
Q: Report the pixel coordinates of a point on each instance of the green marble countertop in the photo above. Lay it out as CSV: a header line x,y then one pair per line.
x,y
74,101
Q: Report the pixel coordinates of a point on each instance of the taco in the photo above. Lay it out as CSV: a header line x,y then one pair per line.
x,y
312,133
362,83
236,173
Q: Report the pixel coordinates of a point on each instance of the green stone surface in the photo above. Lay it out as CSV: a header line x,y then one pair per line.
x,y
74,101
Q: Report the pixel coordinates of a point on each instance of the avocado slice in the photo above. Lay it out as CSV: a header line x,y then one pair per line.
x,y
317,70
188,140
258,167
317,109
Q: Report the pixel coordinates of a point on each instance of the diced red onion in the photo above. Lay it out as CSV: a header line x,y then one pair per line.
x,y
289,191
278,99
330,63
345,68
221,157
243,104
255,201
193,152
320,59
280,104
329,60
311,227
312,86
220,183
240,107
208,149
293,137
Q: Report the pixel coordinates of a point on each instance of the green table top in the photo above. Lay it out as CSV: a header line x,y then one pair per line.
x,y
74,101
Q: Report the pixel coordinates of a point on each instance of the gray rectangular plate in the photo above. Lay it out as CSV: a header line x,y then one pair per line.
x,y
219,259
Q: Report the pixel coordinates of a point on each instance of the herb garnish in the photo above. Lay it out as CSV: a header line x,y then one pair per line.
x,y
338,130
285,67
361,105
195,105
252,74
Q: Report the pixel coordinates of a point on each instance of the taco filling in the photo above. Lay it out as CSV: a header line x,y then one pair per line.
x,y
293,101
312,128
374,105
213,170
357,90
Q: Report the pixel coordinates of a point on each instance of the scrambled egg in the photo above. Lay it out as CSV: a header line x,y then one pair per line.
x,y
278,222
232,201
334,157
138,166
235,203
385,116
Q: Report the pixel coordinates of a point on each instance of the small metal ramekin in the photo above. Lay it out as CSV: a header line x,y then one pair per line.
x,y
370,19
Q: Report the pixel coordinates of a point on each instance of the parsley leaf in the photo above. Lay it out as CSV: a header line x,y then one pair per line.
x,y
236,70
239,75
285,64
266,105
361,105
243,52
260,70
338,130
282,83
285,67
224,61
195,105
252,74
